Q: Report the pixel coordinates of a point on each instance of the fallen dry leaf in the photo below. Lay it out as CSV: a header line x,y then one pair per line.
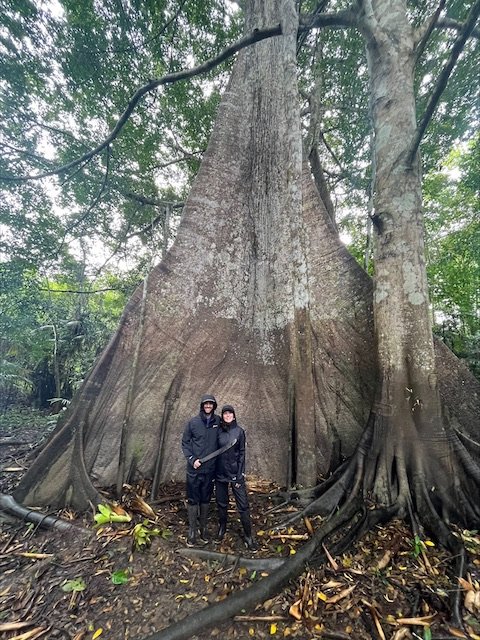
x,y
402,634
13,626
423,621
385,560
308,525
34,556
331,584
139,505
456,633
295,610
466,584
341,595
378,626
31,635
330,559
472,601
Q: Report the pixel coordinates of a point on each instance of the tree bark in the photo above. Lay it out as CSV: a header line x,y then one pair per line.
x,y
412,454
260,303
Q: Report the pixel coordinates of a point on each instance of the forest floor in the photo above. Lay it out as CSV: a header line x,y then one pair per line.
x,y
388,586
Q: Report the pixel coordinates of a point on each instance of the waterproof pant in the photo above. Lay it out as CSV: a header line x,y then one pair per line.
x,y
199,487
239,493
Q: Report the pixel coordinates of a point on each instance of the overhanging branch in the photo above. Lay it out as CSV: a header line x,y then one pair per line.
x,y
426,32
144,200
338,20
442,80
455,25
170,78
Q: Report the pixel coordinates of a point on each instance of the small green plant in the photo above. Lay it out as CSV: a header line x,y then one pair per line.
x,y
417,546
143,533
78,584
120,576
108,514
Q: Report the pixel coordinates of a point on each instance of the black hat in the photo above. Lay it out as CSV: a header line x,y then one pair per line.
x,y
228,407
208,397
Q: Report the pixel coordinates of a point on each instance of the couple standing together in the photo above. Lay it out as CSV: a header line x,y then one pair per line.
x,y
214,447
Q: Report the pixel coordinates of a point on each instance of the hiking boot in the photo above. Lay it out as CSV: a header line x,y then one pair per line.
x,y
192,510
204,537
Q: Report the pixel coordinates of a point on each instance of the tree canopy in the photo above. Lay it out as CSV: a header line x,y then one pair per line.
x,y
68,72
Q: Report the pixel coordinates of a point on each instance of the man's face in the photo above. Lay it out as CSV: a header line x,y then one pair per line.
x,y
208,407
228,416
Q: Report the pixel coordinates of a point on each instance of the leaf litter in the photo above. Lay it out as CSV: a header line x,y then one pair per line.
x,y
117,584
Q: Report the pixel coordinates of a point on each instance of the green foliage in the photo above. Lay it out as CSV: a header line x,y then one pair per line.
x,y
417,546
454,120
452,219
107,514
79,63
120,577
14,419
52,328
144,532
78,584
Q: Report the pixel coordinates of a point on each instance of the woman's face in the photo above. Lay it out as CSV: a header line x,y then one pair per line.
x,y
228,416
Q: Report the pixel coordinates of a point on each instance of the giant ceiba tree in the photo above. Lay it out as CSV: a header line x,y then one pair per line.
x,y
260,303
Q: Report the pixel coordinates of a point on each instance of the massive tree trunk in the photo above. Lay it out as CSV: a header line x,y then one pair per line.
x,y
258,302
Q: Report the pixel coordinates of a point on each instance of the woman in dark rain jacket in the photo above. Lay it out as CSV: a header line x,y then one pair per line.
x,y
230,471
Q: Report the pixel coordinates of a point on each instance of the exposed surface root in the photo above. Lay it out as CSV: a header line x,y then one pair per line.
x,y
261,564
10,506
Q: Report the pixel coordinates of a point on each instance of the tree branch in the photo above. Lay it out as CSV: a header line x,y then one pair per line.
x,y
9,505
187,156
310,20
450,23
442,80
339,20
424,34
170,78
81,291
152,201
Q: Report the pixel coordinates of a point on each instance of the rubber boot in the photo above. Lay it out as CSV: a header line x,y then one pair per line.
x,y
203,523
192,510
247,528
222,524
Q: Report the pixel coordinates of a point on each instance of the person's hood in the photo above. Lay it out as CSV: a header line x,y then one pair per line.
x,y
224,425
229,407
208,397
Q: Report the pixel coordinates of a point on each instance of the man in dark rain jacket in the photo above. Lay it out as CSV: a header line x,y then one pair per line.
x,y
200,439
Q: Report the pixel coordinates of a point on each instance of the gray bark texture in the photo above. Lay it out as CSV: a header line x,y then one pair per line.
x,y
259,303
412,454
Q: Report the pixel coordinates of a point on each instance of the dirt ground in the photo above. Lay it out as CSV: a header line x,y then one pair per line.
x,y
100,585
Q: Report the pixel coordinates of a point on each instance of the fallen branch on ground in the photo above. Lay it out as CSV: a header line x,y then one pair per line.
x,y
10,506
262,564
